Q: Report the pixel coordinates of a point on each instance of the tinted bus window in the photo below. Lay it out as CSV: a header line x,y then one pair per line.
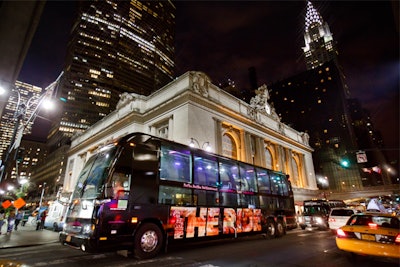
x,y
175,196
206,198
248,186
248,178
277,182
229,175
205,171
175,164
263,182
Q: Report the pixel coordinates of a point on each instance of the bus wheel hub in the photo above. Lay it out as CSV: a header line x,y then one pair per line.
x,y
149,241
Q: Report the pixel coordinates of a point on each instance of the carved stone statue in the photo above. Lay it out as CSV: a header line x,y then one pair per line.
x,y
200,83
124,99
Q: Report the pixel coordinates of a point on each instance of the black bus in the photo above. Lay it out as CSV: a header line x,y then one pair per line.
x,y
142,192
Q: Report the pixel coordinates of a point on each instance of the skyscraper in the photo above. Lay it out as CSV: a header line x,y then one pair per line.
x,y
21,103
114,47
317,102
319,44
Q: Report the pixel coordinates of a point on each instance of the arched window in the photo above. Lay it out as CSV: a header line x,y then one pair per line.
x,y
268,159
229,147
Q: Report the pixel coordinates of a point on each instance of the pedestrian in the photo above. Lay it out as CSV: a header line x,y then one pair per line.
x,y
18,218
10,221
2,218
40,220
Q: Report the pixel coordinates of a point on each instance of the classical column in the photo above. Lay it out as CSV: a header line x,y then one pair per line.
x,y
218,136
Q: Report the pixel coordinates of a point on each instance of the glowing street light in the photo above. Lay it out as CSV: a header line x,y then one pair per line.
x,y
34,103
206,145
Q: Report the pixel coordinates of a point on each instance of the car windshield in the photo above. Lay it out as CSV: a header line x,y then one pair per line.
x,y
92,177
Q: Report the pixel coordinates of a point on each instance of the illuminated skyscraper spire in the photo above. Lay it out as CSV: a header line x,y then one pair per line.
x,y
312,16
319,45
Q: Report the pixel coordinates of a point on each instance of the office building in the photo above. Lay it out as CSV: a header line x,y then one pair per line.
x,y
114,47
20,105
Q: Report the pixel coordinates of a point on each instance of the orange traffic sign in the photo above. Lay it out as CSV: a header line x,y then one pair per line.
x,y
19,203
6,204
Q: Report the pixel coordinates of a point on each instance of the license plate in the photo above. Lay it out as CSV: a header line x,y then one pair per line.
x,y
368,237
68,238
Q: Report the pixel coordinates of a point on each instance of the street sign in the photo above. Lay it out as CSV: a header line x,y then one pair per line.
x,y
19,203
6,204
361,157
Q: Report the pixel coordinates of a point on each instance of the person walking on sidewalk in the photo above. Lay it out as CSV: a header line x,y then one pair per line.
x,y
2,219
40,222
18,218
10,221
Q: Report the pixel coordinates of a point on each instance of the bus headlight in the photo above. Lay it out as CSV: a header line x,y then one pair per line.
x,y
87,229
319,220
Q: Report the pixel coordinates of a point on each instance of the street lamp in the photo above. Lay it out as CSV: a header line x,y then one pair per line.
x,y
41,196
206,145
23,108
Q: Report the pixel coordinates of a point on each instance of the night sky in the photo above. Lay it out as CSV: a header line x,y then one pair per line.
x,y
225,38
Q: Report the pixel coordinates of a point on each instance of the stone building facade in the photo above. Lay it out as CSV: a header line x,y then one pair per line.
x,y
191,108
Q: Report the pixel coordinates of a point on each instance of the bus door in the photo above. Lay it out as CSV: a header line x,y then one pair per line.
x,y
114,214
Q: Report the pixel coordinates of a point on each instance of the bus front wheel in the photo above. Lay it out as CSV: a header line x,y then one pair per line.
x,y
148,241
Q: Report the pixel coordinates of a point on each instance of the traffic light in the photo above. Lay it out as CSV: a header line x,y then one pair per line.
x,y
345,163
20,154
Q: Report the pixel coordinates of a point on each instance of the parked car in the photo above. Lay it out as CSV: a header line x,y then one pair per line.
x,y
339,216
373,234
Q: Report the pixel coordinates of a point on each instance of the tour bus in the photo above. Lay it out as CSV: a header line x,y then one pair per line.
x,y
170,192
316,213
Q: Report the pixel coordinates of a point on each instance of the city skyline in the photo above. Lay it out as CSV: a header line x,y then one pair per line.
x,y
265,35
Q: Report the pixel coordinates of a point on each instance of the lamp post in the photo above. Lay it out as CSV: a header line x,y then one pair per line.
x,y
22,121
206,145
41,196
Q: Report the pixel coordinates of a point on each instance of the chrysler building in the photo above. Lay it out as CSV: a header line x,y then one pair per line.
x,y
319,44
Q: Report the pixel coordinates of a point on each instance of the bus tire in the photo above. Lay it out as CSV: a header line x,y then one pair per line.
x,y
280,229
148,241
270,229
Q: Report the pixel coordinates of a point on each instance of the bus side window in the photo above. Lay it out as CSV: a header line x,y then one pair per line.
x,y
120,185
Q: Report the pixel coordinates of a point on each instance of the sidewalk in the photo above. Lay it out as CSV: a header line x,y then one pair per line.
x,y
26,236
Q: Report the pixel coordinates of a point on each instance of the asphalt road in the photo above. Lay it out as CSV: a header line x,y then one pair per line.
x,y
297,249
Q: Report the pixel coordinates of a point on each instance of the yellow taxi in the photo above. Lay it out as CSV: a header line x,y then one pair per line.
x,y
374,234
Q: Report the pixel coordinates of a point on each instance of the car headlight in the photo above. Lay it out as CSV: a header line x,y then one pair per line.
x,y
319,220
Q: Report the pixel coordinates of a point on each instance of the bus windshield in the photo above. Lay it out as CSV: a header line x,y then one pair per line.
x,y
91,178
315,209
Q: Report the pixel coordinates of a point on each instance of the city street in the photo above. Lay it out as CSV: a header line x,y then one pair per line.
x,y
298,248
